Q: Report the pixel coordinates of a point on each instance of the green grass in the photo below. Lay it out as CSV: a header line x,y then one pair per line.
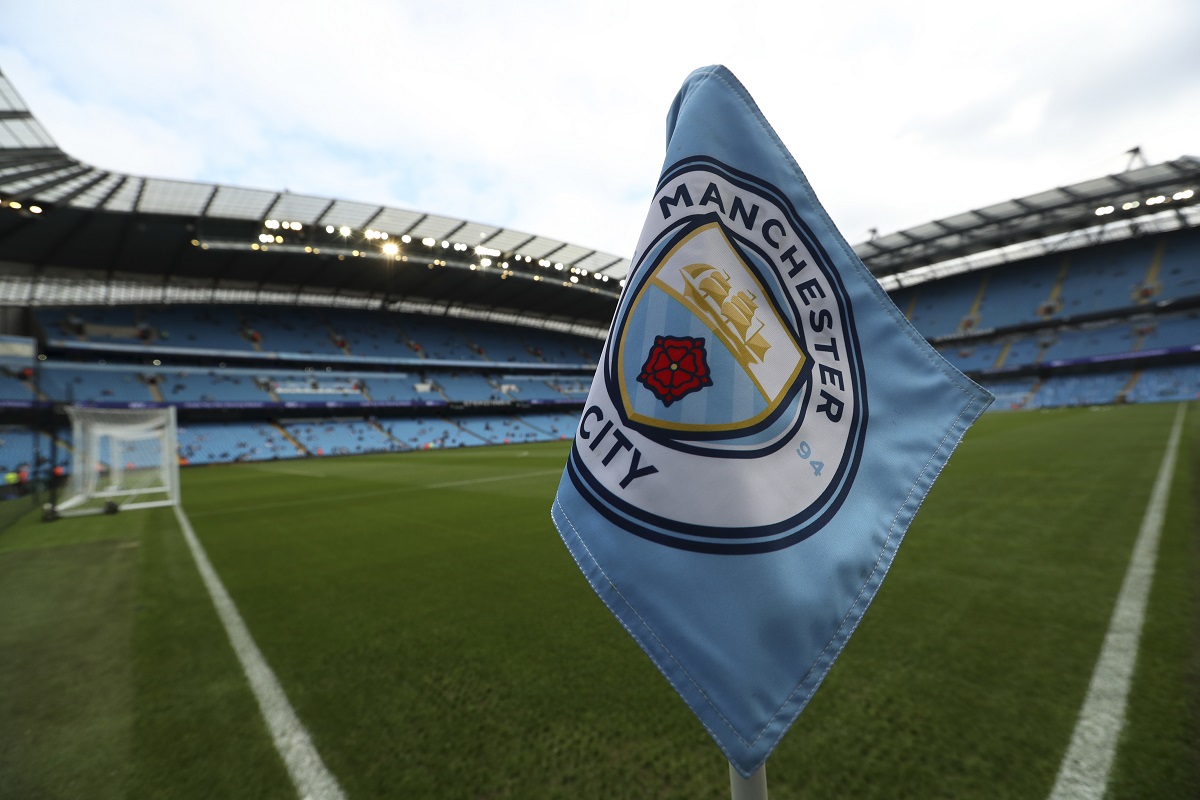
x,y
438,641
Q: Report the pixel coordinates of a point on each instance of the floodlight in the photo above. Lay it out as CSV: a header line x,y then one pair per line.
x,y
1186,194
391,248
35,209
344,230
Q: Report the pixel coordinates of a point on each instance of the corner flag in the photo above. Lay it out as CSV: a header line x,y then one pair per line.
x,y
761,429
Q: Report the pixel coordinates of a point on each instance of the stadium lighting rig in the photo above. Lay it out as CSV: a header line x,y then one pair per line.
x,y
1181,196
22,208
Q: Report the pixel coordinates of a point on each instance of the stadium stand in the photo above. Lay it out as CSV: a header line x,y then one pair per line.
x,y
329,345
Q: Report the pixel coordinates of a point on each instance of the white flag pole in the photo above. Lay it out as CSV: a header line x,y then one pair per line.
x,y
753,789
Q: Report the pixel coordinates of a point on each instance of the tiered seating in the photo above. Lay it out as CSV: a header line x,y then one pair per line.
x,y
574,388
423,434
465,388
19,447
327,437
1080,390
1093,341
1015,293
1104,280
972,357
282,330
206,327
210,443
317,332
528,390
494,429
435,339
1177,273
1166,384
85,382
940,306
389,388
1010,393
1122,278
13,386
212,386
1166,332
552,426
1108,278
306,387
370,335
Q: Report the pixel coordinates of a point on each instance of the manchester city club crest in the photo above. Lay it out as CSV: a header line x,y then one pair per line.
x,y
732,360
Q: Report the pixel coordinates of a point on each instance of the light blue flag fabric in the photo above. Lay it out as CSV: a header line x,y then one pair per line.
x,y
761,429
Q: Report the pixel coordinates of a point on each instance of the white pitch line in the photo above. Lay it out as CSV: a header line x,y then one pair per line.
x,y
313,781
391,490
1084,769
473,481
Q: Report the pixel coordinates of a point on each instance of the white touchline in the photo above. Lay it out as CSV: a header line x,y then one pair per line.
x,y
313,781
391,490
1084,769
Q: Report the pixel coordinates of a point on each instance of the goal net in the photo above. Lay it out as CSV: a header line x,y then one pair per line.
x,y
121,459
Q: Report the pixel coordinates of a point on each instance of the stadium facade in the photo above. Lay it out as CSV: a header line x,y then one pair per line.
x,y
284,326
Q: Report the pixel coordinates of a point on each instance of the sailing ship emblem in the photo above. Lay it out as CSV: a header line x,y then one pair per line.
x,y
729,313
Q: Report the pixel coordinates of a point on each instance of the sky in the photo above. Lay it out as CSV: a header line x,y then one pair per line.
x,y
549,117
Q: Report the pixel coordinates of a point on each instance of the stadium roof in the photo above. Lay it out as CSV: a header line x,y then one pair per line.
x,y
71,232
63,222
1122,198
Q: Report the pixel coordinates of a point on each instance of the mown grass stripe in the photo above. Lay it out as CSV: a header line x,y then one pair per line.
x,y
313,781
1085,768
321,499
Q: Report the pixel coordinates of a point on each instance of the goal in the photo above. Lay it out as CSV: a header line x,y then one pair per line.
x,y
121,459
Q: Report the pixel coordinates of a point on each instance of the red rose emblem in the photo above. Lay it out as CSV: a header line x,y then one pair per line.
x,y
675,367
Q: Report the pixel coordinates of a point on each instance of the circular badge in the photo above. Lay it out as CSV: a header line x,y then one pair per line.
x,y
729,409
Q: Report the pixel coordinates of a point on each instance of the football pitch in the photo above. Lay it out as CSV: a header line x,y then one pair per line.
x,y
436,640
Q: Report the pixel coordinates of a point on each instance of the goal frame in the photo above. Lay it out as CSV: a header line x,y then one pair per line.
x,y
94,479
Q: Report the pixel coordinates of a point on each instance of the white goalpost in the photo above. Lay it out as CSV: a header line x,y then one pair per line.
x,y
122,459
